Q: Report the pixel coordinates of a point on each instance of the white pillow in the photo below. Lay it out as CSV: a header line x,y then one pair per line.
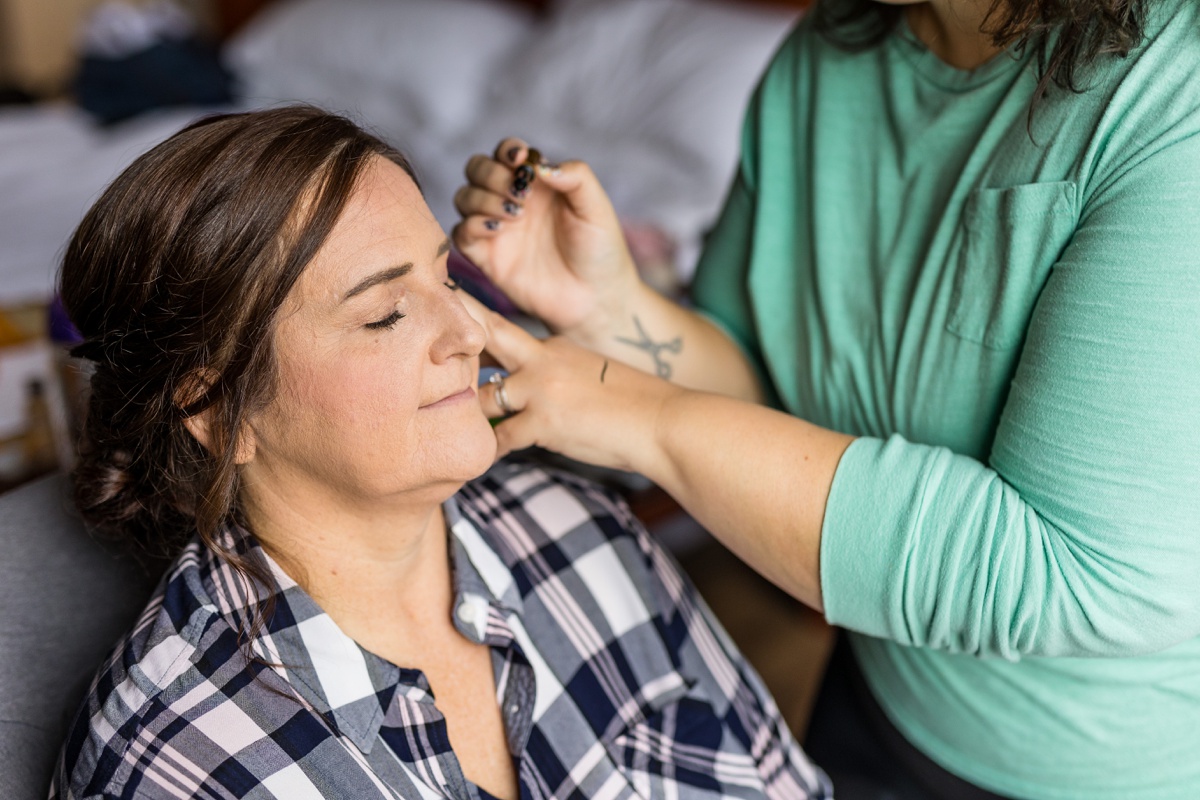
x,y
420,63
678,72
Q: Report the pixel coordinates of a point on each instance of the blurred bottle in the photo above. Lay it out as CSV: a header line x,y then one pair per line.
x,y
39,453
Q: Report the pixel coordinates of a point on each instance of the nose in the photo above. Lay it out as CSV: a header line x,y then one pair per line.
x,y
462,335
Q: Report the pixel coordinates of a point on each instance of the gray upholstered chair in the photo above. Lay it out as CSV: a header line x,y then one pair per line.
x,y
64,601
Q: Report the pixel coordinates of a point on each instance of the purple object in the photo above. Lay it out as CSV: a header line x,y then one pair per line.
x,y
62,330
471,278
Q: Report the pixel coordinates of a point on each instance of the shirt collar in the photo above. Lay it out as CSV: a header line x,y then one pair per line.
x,y
350,687
478,569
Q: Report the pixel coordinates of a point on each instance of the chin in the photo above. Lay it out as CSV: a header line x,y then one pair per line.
x,y
482,462
476,449
456,454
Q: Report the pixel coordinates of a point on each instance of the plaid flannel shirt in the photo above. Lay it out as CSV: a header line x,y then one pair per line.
x,y
613,678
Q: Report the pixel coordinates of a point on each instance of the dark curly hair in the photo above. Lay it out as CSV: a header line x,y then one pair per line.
x,y
1068,35
174,278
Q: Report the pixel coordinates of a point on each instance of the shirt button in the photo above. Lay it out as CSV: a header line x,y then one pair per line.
x,y
466,612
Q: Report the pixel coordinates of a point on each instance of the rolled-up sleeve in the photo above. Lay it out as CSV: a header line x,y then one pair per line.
x,y
1081,533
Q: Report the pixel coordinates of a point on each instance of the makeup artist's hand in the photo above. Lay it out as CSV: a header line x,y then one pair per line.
x,y
551,242
573,401
554,245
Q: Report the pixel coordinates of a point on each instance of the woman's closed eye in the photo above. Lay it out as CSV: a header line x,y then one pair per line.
x,y
394,317
387,322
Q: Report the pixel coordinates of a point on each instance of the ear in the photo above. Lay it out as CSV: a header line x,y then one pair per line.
x,y
200,425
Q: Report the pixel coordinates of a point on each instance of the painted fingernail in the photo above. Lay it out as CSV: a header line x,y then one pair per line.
x,y
519,188
524,173
491,224
513,152
511,208
549,169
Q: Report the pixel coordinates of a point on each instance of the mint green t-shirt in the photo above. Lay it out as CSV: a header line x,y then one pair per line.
x,y
1007,312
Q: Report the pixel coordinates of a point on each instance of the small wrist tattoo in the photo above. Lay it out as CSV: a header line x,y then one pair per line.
x,y
656,349
603,370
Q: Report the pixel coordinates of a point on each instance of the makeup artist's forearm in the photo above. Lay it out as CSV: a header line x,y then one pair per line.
x,y
659,336
757,479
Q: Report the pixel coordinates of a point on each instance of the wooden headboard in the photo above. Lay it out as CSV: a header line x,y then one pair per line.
x,y
233,14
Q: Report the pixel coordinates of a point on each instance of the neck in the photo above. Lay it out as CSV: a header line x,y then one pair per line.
x,y
382,572
953,30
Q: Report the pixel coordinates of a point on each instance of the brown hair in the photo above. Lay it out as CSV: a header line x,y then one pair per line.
x,y
1068,34
174,278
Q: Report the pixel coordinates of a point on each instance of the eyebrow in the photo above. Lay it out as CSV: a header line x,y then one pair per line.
x,y
391,273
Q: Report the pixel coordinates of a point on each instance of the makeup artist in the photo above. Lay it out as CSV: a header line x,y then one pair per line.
x,y
941,379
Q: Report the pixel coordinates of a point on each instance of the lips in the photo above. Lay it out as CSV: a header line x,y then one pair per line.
x,y
460,396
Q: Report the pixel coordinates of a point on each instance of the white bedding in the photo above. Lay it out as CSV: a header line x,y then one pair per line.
x,y
651,92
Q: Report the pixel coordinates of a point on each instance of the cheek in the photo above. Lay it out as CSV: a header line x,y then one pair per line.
x,y
353,395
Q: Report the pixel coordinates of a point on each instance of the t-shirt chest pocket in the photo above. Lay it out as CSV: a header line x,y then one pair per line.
x,y
1013,237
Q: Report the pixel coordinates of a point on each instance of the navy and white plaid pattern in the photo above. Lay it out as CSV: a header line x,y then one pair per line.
x,y
613,678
